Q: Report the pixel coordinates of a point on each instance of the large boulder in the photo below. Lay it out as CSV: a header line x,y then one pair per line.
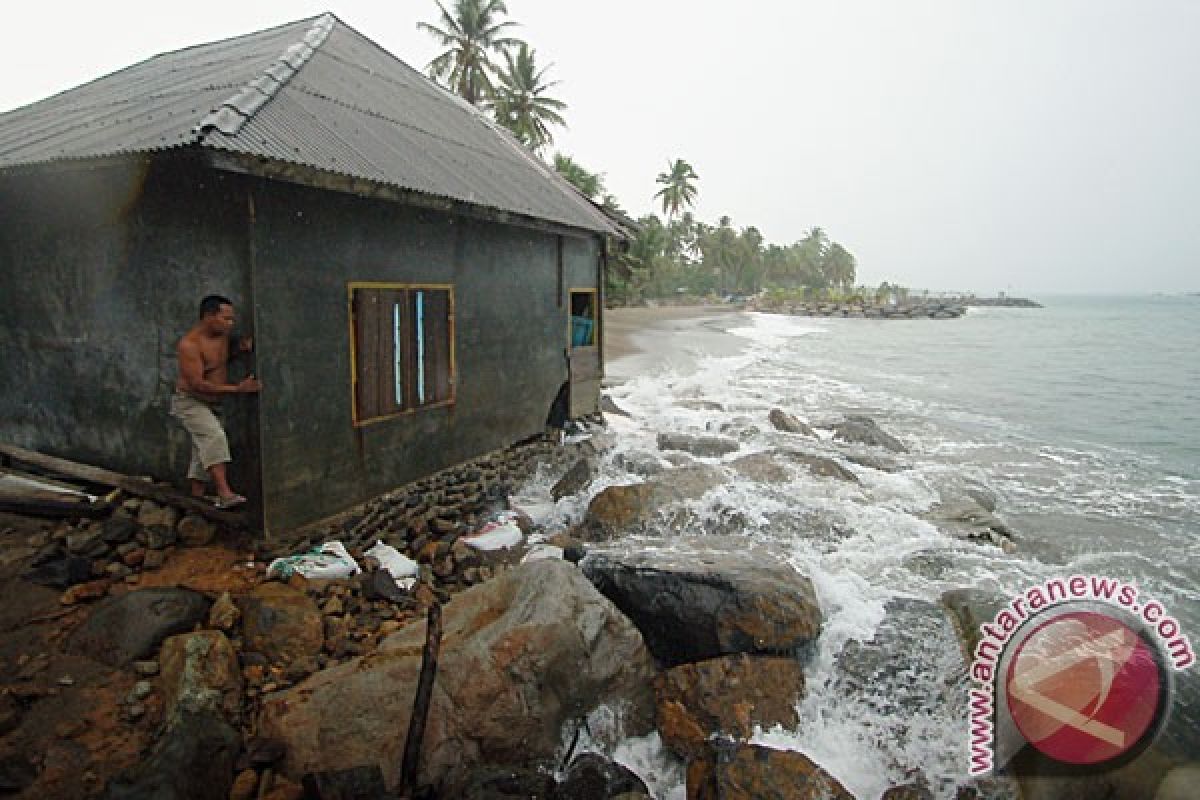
x,y
193,760
575,480
864,430
200,673
821,466
128,628
692,608
760,468
783,421
703,446
520,656
967,517
281,623
727,695
591,776
753,772
624,509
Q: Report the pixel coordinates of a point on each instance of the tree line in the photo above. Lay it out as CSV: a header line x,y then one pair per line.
x,y
675,254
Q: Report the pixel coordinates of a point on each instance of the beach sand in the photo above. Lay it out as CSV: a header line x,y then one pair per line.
x,y
640,341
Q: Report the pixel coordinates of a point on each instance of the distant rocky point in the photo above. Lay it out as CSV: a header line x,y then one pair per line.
x,y
912,308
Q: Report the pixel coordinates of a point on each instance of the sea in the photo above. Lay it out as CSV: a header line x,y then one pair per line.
x,y
1081,419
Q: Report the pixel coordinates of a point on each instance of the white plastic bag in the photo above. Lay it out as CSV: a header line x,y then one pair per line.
x,y
402,568
499,534
327,562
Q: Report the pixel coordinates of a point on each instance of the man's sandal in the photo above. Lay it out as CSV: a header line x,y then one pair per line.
x,y
229,502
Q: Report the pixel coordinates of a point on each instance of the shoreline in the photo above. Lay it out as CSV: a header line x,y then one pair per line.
x,y
640,340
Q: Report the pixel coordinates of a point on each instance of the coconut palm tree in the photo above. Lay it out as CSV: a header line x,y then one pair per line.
x,y
591,184
520,102
470,35
678,189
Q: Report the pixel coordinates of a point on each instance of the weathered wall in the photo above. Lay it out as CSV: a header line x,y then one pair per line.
x,y
510,341
101,270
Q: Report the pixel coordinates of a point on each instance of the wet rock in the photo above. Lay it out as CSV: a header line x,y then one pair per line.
x,y
490,782
964,516
10,713
881,463
1180,783
591,776
224,614
280,622
195,531
640,463
702,446
783,421
192,761
200,673
753,772
245,786
760,468
61,572
118,530
85,592
727,695
124,629
607,406
616,509
864,430
695,609
355,783
521,655
577,478
910,791
821,466
16,773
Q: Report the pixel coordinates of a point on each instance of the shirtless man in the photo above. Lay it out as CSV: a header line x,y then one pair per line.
x,y
203,381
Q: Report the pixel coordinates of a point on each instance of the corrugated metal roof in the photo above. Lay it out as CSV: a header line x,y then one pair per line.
x,y
314,93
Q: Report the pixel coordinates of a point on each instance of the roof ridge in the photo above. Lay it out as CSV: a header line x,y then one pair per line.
x,y
231,114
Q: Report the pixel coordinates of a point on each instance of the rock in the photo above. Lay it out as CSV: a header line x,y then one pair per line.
x,y
616,509
245,785
16,773
153,559
964,516
909,791
760,468
640,463
490,782
607,406
224,613
89,543
85,592
130,627
146,668
152,516
356,783
881,463
200,673
703,446
1180,783
591,776
576,479
192,761
753,772
380,585
195,531
864,430
280,622
118,530
787,423
140,691
10,713
727,695
61,572
822,466
693,610
521,656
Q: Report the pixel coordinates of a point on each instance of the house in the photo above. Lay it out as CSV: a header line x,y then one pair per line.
x,y
418,285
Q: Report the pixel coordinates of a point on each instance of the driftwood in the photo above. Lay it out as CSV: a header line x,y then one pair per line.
x,y
139,487
416,724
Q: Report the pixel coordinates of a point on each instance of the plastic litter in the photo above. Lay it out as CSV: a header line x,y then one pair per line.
x,y
327,562
402,568
501,533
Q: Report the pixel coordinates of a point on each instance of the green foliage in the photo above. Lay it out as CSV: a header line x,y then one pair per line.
x,y
591,184
679,189
520,102
471,34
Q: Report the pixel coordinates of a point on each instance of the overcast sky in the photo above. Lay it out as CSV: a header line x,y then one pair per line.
x,y
1029,146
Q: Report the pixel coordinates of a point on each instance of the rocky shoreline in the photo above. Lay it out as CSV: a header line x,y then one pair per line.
x,y
154,656
945,308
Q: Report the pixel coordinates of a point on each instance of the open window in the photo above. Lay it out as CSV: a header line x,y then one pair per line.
x,y
402,348
583,317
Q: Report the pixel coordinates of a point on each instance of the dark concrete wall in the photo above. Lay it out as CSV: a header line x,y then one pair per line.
x,y
101,270
511,335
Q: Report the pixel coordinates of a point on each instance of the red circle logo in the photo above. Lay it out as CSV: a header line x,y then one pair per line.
x,y
1084,688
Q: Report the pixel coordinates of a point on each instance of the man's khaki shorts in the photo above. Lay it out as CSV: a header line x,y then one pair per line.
x,y
209,443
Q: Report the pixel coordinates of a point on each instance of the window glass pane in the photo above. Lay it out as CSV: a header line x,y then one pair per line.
x,y
420,326
398,353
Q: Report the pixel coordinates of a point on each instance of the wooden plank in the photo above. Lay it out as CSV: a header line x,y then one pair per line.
x,y
585,363
437,345
135,486
585,398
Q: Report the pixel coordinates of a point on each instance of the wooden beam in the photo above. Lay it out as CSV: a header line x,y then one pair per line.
x,y
135,486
